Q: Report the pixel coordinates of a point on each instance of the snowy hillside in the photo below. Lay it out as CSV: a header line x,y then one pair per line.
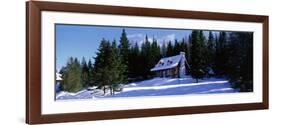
x,y
157,87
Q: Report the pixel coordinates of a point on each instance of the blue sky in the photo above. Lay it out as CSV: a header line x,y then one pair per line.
x,y
82,41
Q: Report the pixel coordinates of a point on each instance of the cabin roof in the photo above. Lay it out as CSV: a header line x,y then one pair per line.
x,y
168,62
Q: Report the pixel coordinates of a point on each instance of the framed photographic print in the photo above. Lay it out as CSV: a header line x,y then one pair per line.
x,y
93,62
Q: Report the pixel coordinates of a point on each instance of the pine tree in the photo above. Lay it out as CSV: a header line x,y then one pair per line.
x,y
134,62
147,56
155,53
221,55
189,45
210,51
240,60
177,48
108,68
124,48
101,69
163,50
170,49
62,70
117,69
91,72
182,45
85,72
72,81
198,66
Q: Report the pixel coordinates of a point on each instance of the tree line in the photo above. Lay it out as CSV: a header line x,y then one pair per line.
x,y
220,54
226,54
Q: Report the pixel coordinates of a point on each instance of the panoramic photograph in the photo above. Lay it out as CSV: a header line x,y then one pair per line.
x,y
93,62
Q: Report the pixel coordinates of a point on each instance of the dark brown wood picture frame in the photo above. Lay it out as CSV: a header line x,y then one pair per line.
x,y
33,61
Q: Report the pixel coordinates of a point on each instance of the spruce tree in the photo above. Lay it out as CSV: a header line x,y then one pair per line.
x,y
221,56
108,68
91,72
72,81
188,49
124,48
240,60
183,46
101,69
210,51
177,48
62,70
85,72
163,50
170,49
147,56
116,69
198,66
134,62
155,53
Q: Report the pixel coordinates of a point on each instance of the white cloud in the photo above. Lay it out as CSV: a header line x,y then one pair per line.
x,y
137,35
170,37
136,38
165,39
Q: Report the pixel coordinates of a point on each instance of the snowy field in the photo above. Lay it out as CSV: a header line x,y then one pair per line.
x,y
156,87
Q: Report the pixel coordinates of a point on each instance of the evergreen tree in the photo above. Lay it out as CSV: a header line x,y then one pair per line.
x,y
189,45
197,55
240,60
210,51
134,62
182,45
163,50
155,53
177,48
72,81
62,70
101,68
85,72
91,74
124,48
108,68
147,57
204,52
170,49
221,56
117,69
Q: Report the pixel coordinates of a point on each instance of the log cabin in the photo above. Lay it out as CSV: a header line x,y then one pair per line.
x,y
174,66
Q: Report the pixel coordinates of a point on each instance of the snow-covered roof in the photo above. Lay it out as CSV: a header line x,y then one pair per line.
x,y
168,62
58,76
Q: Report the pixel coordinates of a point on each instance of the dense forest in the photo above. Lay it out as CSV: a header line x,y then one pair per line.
x,y
209,54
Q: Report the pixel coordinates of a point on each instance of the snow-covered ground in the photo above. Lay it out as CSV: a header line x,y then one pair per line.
x,y
157,87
